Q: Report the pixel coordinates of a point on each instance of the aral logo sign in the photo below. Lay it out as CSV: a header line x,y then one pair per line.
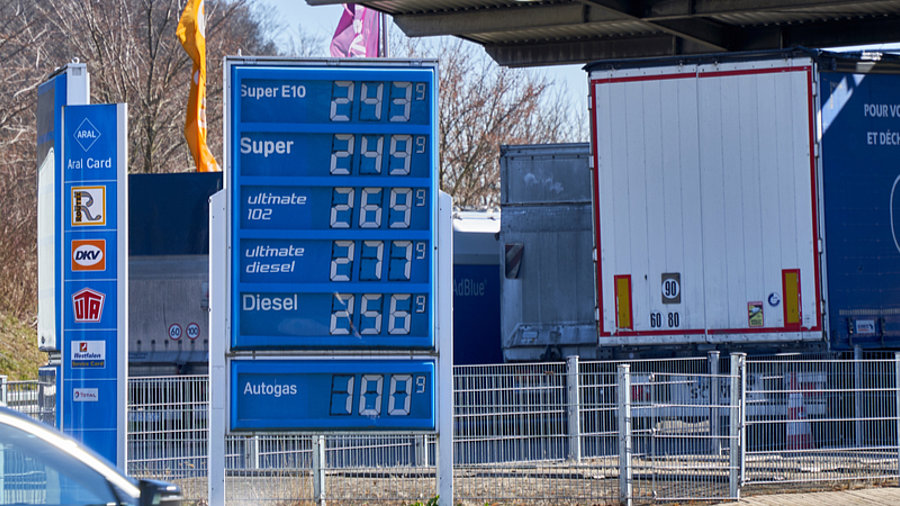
x,y
88,305
86,134
88,255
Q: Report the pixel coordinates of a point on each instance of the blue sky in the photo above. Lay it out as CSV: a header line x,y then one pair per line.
x,y
322,20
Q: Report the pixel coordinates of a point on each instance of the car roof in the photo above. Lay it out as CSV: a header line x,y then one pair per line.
x,y
65,443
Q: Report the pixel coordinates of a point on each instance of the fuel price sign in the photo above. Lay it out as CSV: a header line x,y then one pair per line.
x,y
333,215
334,204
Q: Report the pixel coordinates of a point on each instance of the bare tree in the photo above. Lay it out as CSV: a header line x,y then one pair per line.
x,y
142,63
483,106
134,57
21,32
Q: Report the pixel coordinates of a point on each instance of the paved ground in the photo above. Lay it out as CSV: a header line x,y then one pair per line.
x,y
863,497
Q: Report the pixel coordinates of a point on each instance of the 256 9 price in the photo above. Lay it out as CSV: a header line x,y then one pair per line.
x,y
402,307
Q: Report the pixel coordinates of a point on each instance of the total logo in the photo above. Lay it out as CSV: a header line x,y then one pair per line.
x,y
88,305
86,394
88,254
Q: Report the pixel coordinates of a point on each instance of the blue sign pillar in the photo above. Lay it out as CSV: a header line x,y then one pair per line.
x,y
94,265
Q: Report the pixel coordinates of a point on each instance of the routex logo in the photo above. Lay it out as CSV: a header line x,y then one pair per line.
x,y
88,254
86,134
88,305
88,206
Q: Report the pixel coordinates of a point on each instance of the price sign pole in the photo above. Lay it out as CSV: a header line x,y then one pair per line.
x,y
335,306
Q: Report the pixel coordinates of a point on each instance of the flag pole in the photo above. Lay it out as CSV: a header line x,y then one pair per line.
x,y
384,35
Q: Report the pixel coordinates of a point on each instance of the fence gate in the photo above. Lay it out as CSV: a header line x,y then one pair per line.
x,y
685,436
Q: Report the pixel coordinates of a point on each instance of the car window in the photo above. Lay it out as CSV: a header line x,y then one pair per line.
x,y
36,472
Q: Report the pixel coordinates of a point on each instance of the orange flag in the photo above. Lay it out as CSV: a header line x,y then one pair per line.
x,y
191,32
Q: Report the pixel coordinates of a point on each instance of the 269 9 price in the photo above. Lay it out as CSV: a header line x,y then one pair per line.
x,y
372,212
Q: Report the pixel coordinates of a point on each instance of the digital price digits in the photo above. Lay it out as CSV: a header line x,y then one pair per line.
x,y
371,206
375,100
371,260
370,148
371,398
402,308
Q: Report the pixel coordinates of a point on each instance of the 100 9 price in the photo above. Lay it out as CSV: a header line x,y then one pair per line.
x,y
371,388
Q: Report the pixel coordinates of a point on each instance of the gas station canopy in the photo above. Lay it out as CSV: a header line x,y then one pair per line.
x,y
525,33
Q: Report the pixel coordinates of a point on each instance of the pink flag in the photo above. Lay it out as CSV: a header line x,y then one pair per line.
x,y
357,33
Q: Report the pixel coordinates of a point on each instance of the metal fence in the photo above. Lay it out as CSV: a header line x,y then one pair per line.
x,y
32,397
571,432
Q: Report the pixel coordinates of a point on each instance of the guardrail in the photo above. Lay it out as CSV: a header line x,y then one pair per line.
x,y
569,432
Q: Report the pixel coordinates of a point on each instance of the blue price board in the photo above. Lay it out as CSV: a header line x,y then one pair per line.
x,y
333,204
326,394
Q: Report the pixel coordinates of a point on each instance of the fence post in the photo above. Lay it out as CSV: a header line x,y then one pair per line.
x,y
251,452
623,373
857,396
420,449
736,431
897,399
4,392
714,425
573,407
318,469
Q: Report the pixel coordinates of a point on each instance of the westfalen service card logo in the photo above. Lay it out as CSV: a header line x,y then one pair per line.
x,y
89,354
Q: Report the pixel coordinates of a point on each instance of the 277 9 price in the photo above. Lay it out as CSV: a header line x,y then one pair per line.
x,y
372,260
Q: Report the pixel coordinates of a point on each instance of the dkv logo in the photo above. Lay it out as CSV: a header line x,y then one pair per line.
x,y
89,255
